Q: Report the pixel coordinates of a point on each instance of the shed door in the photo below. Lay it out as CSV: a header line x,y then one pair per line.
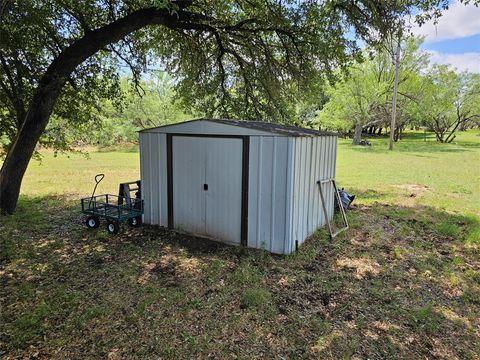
x,y
188,175
207,186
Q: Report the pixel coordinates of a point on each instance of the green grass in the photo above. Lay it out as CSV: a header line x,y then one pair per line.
x,y
402,282
446,176
73,174
255,298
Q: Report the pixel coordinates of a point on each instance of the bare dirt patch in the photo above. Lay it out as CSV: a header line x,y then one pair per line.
x,y
410,192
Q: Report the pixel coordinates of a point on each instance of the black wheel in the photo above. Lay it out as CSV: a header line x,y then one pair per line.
x,y
135,221
92,222
113,227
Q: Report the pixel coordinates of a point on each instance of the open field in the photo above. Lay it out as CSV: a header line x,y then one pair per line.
x,y
403,282
446,176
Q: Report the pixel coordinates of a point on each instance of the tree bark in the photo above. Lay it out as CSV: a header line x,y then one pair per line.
x,y
357,137
51,84
394,97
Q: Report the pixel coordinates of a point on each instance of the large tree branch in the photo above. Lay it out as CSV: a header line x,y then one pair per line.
x,y
49,88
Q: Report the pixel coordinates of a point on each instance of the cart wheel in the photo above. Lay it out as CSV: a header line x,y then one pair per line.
x,y
92,222
135,221
113,227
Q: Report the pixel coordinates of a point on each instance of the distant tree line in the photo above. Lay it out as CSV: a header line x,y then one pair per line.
x,y
432,96
360,102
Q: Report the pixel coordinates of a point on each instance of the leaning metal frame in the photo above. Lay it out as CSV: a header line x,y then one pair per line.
x,y
342,210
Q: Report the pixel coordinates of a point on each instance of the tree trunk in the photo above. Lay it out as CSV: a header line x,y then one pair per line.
x,y
398,133
357,137
394,97
450,139
50,86
379,131
451,135
21,151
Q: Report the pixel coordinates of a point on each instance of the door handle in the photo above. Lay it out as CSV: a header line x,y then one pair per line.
x,y
205,187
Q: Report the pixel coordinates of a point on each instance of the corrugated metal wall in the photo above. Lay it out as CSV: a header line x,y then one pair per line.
x,y
153,172
269,187
314,159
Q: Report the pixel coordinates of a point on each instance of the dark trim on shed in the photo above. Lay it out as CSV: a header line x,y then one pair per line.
x,y
245,179
169,182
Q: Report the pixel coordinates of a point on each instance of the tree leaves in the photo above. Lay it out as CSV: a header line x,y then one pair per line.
x,y
252,59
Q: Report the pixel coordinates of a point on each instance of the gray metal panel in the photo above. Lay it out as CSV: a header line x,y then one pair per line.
x,y
268,194
314,160
162,175
254,183
296,188
188,176
312,221
265,194
289,195
224,195
279,199
153,176
303,183
144,174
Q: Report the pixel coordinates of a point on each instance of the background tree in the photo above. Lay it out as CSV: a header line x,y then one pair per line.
x,y
363,98
354,102
467,103
156,105
230,56
449,101
153,103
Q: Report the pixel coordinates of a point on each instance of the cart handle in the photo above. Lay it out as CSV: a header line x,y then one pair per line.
x,y
101,176
98,179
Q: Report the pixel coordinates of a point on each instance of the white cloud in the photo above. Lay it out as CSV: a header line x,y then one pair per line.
x,y
458,21
467,61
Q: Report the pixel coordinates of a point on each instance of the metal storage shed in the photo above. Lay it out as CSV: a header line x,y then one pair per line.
x,y
241,182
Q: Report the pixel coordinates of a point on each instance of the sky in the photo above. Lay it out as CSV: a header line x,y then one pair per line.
x,y
455,39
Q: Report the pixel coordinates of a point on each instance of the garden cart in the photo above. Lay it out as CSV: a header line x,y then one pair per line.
x,y
113,208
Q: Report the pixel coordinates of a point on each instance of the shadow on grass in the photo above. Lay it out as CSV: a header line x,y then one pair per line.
x,y
368,195
400,283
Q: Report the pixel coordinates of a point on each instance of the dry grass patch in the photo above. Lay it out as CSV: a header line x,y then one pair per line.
x,y
362,266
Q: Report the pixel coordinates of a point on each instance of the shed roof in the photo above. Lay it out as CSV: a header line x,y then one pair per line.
x,y
262,126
